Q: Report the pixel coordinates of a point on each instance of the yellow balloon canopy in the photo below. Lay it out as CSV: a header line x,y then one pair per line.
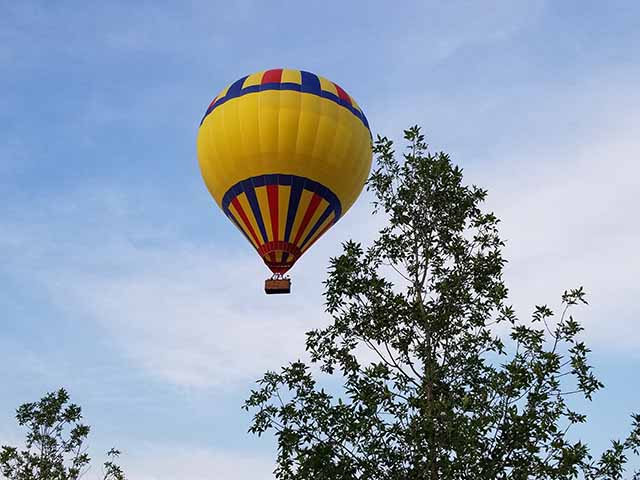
x,y
284,153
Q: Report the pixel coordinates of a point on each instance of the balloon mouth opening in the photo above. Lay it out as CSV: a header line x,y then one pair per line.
x,y
279,266
279,256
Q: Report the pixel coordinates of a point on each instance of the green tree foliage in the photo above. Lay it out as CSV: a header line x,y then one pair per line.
x,y
439,378
55,443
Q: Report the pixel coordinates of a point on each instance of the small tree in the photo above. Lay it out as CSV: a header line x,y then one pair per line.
x,y
448,395
54,445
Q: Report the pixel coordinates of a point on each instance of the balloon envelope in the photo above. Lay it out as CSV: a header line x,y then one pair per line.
x,y
284,153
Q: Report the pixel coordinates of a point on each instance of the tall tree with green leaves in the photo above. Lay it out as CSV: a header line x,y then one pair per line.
x,y
55,443
439,379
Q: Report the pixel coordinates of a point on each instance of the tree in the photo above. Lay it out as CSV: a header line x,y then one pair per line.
x,y
438,378
55,447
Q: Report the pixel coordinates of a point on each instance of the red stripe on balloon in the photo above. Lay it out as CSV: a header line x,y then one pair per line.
x,y
342,94
272,76
272,196
245,219
313,206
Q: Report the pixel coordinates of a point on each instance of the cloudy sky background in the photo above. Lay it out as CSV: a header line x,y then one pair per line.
x,y
120,279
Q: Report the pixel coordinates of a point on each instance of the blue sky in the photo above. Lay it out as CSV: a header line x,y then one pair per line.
x,y
119,278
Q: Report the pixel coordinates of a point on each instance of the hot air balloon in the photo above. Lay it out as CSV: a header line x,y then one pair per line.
x,y
284,153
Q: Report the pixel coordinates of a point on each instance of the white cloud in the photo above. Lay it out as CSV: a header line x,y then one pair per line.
x,y
159,461
178,463
569,214
191,314
188,314
560,164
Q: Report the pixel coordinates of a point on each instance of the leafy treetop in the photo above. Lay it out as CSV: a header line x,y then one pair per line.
x,y
459,387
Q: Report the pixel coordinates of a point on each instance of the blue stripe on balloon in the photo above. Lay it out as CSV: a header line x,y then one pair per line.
x,y
237,224
294,201
310,84
236,87
250,192
328,211
271,180
286,180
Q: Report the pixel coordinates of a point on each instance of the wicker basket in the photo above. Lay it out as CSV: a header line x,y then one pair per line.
x,y
277,285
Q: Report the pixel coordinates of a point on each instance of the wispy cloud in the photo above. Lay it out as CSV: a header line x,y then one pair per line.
x,y
190,313
168,461
176,463
568,207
